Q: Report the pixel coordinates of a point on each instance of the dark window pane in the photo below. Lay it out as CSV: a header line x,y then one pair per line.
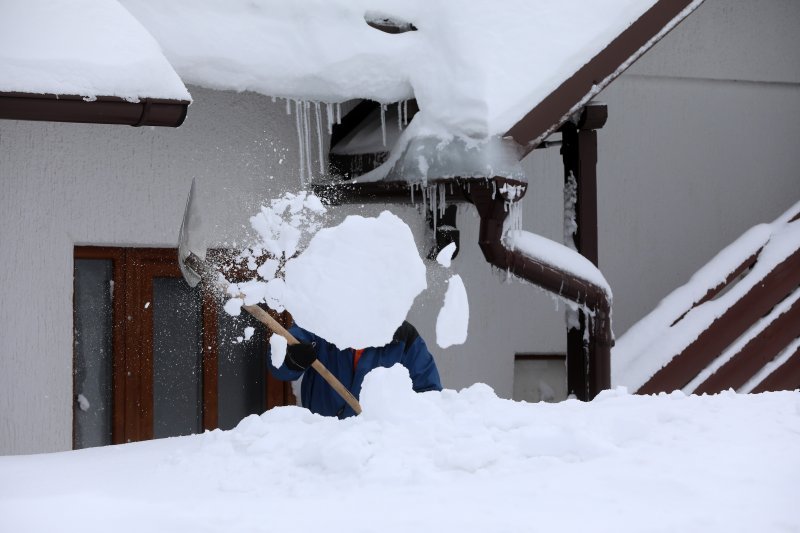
x,y
241,369
177,370
93,356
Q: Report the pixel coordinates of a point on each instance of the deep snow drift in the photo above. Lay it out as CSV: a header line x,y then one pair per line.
x,y
450,461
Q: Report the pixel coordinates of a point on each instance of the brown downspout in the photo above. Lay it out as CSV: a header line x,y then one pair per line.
x,y
493,209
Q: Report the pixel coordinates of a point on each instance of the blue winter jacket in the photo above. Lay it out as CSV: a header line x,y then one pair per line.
x,y
407,348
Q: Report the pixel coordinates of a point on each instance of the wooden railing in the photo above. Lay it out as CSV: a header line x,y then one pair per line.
x,y
743,333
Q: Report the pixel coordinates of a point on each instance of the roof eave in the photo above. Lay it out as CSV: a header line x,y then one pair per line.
x,y
551,113
100,110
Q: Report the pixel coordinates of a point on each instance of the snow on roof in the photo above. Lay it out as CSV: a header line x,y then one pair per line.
x,y
88,48
475,68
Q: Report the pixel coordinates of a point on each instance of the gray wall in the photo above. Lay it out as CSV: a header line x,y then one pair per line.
x,y
699,146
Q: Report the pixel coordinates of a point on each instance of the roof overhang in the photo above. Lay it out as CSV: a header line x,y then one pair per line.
x,y
608,64
100,110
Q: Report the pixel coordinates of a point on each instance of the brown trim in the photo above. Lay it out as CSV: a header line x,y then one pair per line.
x,y
601,70
540,357
210,359
765,294
755,354
747,264
102,110
785,377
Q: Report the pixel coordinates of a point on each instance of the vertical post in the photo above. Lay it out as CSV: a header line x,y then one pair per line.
x,y
579,153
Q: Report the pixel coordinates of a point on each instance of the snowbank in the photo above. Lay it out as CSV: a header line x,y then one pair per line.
x,y
88,48
450,461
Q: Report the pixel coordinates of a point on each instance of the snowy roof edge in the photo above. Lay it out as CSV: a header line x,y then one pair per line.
x,y
555,109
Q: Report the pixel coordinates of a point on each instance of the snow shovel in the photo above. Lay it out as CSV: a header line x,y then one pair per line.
x,y
194,267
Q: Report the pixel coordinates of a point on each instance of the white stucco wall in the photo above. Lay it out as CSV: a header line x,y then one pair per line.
x,y
699,146
63,185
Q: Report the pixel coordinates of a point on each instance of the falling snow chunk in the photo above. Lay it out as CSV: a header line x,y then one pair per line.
x,y
355,283
234,306
277,346
452,323
83,403
445,255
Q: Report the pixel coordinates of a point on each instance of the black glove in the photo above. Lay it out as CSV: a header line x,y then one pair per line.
x,y
300,356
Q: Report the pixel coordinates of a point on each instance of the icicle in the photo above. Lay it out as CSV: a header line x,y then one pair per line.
x,y
338,113
329,110
288,107
383,123
300,145
405,112
317,114
570,202
399,116
307,131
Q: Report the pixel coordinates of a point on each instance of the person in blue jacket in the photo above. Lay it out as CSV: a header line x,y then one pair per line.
x,y
350,366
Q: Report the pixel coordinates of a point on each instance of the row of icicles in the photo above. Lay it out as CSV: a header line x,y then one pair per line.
x,y
306,112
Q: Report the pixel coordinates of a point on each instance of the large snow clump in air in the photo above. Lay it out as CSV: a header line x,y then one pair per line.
x,y
355,283
352,284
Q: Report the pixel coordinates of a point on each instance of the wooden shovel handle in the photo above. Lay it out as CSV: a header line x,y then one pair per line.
x,y
265,318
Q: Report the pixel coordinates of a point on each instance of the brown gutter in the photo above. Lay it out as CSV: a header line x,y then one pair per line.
x,y
103,110
493,210
601,70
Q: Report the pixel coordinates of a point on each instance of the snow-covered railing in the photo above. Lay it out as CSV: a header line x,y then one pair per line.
x,y
735,324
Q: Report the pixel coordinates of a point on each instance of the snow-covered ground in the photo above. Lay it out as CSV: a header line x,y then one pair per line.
x,y
451,461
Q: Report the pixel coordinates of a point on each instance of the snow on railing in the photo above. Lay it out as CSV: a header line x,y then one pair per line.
x,y
715,331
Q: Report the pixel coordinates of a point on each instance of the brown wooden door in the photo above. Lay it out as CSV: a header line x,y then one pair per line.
x,y
168,377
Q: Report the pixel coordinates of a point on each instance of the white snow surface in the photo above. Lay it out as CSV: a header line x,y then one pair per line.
x,y
439,461
652,342
277,346
88,48
445,255
475,68
356,282
557,255
452,323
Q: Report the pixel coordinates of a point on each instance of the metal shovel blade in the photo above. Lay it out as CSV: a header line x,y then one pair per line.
x,y
191,241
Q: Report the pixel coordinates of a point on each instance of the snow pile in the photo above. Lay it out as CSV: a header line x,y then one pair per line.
x,y
451,462
475,68
88,48
352,285
652,342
